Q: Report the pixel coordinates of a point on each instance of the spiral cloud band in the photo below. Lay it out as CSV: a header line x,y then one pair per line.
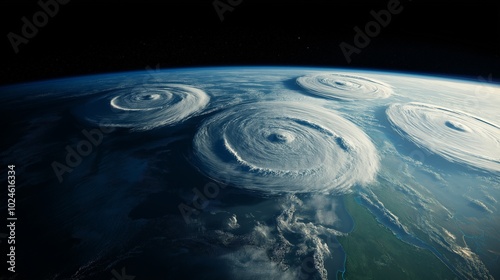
x,y
344,87
285,147
145,107
454,135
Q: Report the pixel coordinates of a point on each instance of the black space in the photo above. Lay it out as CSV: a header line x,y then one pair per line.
x,y
87,37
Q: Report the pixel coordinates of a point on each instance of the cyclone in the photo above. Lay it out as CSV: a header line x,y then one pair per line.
x,y
454,135
344,87
144,107
279,146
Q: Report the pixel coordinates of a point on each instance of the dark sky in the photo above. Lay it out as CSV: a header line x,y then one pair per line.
x,y
86,37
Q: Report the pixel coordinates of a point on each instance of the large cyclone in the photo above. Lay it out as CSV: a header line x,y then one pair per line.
x,y
344,87
454,135
285,147
144,107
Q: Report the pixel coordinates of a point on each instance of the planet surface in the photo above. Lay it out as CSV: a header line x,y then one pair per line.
x,y
255,173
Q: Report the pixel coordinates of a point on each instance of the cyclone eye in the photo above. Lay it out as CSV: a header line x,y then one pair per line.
x,y
300,148
344,87
454,135
145,107
281,137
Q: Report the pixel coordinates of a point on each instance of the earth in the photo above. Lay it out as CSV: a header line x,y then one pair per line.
x,y
254,173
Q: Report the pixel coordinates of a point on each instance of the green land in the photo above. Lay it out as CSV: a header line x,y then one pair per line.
x,y
373,252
